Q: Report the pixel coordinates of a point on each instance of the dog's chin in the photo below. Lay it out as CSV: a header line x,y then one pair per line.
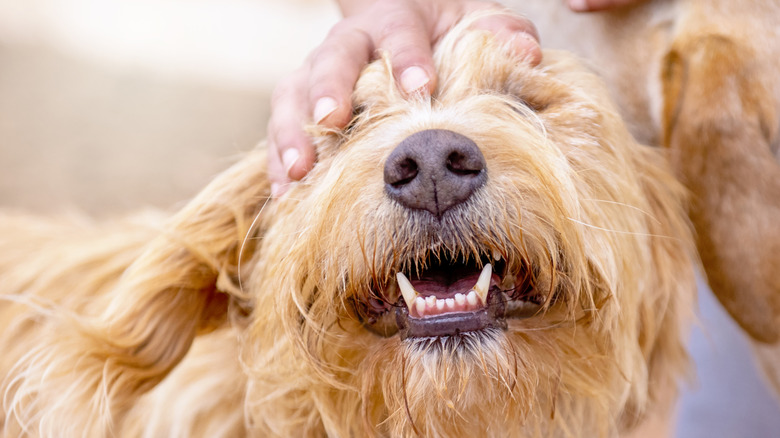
x,y
448,297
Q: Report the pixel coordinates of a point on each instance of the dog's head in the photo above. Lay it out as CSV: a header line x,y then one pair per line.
x,y
499,257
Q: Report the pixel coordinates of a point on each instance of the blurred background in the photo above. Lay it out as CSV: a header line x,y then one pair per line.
x,y
109,106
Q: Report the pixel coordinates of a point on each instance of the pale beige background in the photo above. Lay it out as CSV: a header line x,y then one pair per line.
x,y
108,106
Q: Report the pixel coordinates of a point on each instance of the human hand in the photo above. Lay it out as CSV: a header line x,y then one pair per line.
x,y
597,5
320,91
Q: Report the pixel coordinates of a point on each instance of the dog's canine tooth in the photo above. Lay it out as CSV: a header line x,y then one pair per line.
x,y
407,290
483,283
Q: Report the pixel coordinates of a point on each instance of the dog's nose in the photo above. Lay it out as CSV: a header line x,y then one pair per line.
x,y
434,170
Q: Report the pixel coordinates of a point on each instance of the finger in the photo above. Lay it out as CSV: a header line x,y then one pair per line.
x,y
279,179
515,30
334,70
293,148
289,146
598,5
408,41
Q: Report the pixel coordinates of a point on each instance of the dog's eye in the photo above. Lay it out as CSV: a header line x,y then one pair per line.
x,y
536,106
357,111
522,106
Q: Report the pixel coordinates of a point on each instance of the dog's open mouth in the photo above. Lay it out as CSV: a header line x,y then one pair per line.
x,y
448,297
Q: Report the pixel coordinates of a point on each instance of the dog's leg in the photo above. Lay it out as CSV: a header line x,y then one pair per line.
x,y
87,371
721,122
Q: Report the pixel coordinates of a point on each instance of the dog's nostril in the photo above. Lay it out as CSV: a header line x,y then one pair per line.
x,y
460,164
406,171
434,170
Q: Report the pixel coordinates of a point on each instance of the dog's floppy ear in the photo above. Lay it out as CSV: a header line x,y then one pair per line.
x,y
180,285
720,123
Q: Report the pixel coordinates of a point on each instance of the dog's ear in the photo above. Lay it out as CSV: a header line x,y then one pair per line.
x,y
91,370
720,123
191,268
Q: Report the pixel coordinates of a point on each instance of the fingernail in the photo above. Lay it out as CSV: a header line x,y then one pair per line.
x,y
578,5
525,46
323,108
528,37
289,158
276,190
413,79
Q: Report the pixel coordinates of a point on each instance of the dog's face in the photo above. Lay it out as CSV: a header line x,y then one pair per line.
x,y
501,258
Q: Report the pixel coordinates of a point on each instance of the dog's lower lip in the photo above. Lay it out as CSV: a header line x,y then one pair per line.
x,y
453,323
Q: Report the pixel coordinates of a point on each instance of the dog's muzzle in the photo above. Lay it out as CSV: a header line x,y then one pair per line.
x,y
433,171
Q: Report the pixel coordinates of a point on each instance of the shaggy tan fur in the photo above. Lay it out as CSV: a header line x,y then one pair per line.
x,y
700,77
240,316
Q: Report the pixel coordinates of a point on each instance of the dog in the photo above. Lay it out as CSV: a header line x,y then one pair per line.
x,y
501,259
699,77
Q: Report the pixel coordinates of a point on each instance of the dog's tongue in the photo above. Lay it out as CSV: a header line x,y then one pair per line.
x,y
439,291
442,285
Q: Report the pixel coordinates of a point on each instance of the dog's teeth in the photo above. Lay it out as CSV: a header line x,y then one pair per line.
x,y
496,255
407,290
472,299
450,303
419,305
483,283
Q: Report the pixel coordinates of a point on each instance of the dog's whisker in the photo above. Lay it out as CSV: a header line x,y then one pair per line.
x,y
660,236
623,204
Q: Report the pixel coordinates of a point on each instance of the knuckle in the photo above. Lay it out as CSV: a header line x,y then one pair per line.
x,y
492,5
329,53
284,131
397,27
272,131
285,89
353,45
345,26
284,139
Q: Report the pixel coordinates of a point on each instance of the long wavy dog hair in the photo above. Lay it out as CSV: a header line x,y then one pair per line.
x,y
240,315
